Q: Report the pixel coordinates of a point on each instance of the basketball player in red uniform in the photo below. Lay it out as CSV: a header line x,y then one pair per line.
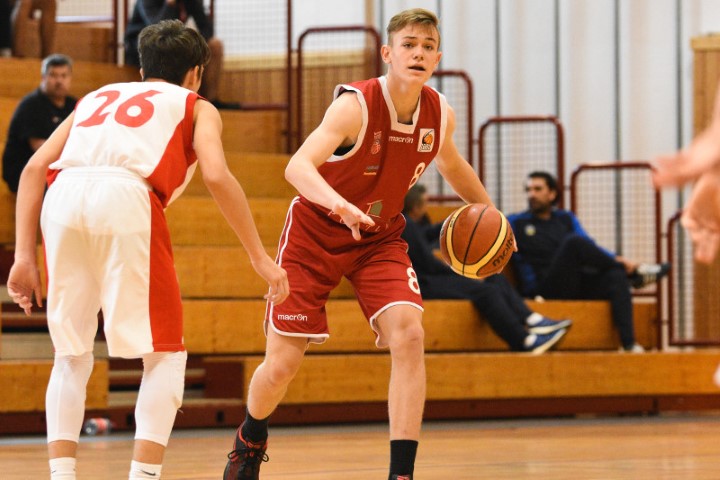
x,y
352,173
118,160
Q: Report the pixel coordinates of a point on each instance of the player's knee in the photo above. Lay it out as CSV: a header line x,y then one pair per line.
x,y
410,336
279,374
164,374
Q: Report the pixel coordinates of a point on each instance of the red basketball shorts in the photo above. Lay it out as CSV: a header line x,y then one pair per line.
x,y
317,252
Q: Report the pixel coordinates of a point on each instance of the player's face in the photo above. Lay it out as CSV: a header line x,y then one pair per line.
x,y
539,196
413,52
56,83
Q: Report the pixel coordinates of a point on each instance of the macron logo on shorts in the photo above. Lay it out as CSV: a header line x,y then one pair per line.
x,y
298,317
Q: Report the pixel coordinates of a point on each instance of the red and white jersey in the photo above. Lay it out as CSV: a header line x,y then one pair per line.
x,y
145,127
389,157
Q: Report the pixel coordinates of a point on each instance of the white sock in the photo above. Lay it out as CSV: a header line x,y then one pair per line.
x,y
62,468
533,319
144,470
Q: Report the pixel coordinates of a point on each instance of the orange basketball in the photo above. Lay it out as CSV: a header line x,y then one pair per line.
x,y
476,241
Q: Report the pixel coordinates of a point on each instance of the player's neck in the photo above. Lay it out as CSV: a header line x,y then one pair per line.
x,y
405,98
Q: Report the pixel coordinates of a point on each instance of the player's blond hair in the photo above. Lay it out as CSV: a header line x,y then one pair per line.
x,y
413,16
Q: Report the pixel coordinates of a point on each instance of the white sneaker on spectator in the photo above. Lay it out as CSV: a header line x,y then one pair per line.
x,y
648,273
636,348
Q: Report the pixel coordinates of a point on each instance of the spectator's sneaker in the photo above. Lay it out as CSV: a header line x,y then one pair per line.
x,y
634,348
543,343
647,273
244,460
548,325
401,477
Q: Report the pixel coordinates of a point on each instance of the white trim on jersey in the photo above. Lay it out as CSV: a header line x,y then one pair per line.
x,y
365,121
394,124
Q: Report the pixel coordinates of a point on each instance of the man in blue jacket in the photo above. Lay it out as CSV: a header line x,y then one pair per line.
x,y
557,259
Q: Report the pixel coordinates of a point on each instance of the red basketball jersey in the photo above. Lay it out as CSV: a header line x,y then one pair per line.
x,y
389,157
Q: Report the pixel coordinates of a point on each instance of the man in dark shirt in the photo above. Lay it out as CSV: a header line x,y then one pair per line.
x,y
37,115
557,259
494,297
149,12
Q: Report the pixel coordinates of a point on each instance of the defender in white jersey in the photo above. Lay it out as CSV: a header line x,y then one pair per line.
x,y
112,167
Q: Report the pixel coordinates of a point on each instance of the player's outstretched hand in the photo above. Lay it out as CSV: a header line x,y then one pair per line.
x,y
23,283
276,277
701,216
702,155
352,217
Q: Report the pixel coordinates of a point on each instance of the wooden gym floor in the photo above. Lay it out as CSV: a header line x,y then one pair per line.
x,y
624,448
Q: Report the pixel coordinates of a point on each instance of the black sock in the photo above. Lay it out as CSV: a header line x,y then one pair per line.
x,y
254,430
402,457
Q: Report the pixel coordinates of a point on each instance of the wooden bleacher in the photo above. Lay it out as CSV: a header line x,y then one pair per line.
x,y
470,371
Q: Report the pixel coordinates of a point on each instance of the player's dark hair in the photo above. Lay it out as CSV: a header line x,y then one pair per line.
x,y
168,49
55,60
413,197
550,181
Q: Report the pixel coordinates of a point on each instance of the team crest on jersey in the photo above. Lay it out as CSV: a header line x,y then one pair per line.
x,y
427,140
375,149
530,230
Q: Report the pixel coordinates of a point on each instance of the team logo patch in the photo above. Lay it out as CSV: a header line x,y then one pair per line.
x,y
427,140
530,230
375,149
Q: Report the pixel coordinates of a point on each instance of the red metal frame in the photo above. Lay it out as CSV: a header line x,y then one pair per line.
x,y
671,292
462,75
617,166
526,119
299,81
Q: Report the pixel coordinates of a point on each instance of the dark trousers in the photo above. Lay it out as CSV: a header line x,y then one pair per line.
x,y
496,300
5,27
581,270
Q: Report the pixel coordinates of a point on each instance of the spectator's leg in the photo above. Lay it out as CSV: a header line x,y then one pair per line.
x,y
487,299
613,285
21,23
512,298
47,25
211,77
575,257
5,29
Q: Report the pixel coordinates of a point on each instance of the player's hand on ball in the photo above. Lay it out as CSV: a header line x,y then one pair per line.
x,y
352,217
276,277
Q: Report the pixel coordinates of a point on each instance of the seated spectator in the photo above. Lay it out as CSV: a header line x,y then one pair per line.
x,y
37,115
494,297
557,259
148,12
25,11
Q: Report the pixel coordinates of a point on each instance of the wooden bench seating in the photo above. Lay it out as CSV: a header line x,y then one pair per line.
x,y
218,327
260,175
24,383
325,379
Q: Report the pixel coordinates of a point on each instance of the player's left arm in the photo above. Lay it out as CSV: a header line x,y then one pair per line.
x,y
457,171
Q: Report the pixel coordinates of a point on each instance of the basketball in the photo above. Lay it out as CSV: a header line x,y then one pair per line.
x,y
476,241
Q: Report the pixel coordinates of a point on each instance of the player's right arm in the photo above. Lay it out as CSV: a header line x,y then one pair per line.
x,y
24,278
231,199
339,128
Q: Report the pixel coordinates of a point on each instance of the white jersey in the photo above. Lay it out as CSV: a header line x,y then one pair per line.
x,y
144,127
